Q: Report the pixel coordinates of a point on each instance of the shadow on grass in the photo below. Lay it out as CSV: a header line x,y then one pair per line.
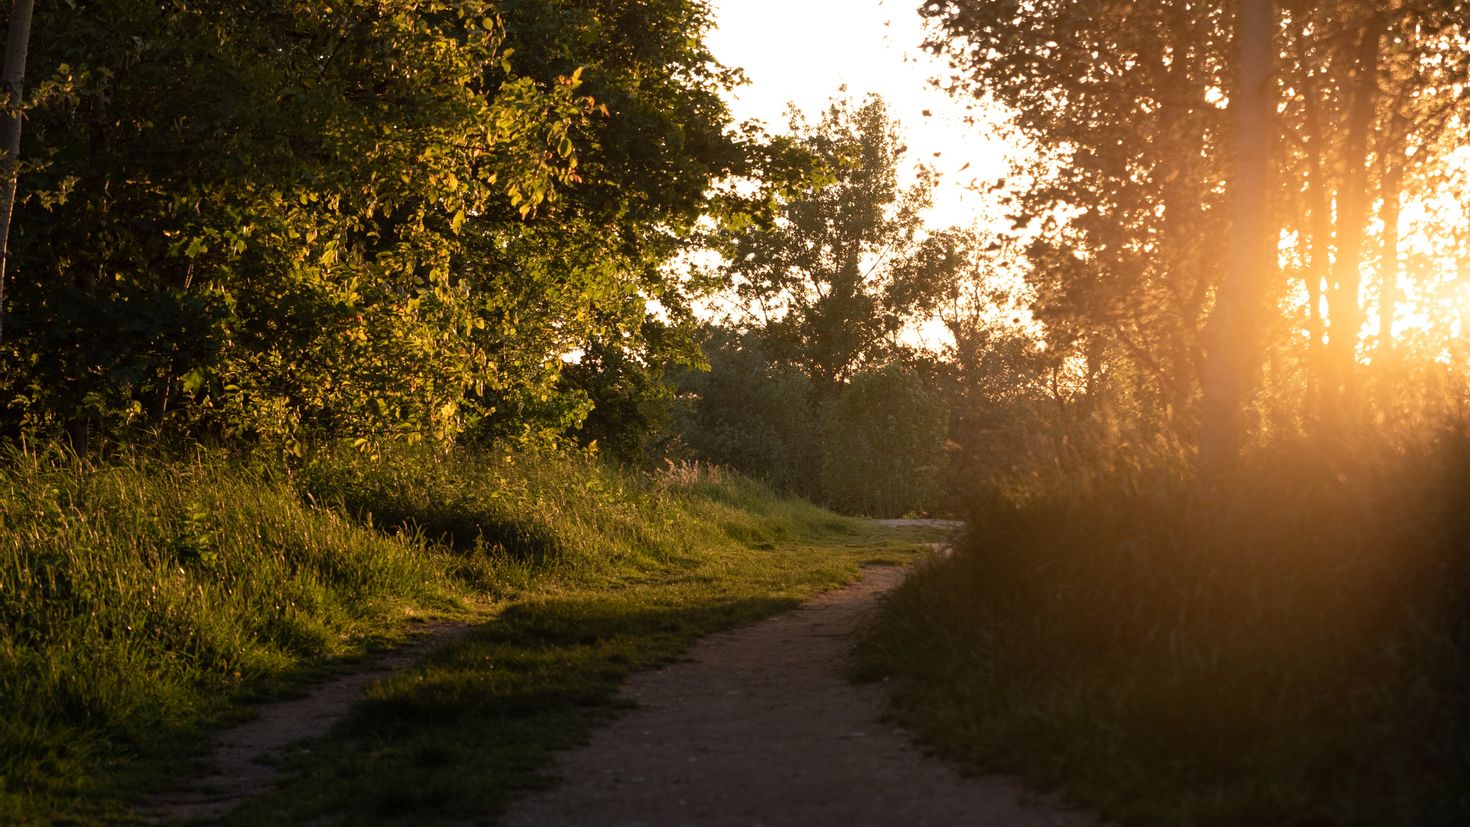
x,y
479,720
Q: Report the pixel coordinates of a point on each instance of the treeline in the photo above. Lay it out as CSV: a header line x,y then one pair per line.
x,y
1129,195
449,222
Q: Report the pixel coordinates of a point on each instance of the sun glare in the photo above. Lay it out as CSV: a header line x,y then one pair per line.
x,y
1431,291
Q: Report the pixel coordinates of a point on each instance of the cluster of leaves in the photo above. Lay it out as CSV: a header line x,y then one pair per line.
x,y
292,221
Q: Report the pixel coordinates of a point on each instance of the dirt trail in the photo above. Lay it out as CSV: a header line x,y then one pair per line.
x,y
760,727
241,757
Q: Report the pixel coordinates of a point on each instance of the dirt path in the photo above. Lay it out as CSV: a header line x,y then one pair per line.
x,y
242,755
759,727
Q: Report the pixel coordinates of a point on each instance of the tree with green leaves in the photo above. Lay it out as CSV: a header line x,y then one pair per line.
x,y
245,219
832,278
293,221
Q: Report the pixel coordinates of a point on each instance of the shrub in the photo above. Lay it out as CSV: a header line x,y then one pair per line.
x,y
884,444
1297,648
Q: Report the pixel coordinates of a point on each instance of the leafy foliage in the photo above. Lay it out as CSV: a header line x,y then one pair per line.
x,y
831,279
874,447
295,221
884,444
751,413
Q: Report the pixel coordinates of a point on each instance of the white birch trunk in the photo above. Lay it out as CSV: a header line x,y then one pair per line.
x,y
12,89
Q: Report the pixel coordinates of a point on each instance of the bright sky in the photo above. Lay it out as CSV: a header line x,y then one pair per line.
x,y
804,50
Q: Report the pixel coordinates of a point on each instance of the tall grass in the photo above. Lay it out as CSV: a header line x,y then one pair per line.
x,y
555,513
136,596
1296,650
139,598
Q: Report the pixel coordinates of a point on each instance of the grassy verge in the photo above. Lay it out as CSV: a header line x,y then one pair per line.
x,y
145,601
1297,653
456,738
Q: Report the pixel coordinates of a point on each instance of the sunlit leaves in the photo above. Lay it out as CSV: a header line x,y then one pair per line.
x,y
312,167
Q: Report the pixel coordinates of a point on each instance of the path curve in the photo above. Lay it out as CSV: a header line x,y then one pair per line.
x,y
760,727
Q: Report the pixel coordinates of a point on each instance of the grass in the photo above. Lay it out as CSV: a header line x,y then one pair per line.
x,y
1295,652
141,599
146,601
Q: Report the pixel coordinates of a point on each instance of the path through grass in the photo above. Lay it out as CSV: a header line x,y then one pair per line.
x,y
146,601
458,736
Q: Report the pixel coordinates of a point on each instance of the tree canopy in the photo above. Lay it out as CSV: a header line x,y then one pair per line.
x,y
834,276
289,219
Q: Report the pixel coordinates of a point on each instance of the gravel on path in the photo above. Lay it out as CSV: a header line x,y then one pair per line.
x,y
759,726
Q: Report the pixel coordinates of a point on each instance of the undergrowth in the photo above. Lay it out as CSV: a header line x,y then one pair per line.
x,y
1293,651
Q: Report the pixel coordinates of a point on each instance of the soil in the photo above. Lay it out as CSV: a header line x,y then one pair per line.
x,y
760,727
241,760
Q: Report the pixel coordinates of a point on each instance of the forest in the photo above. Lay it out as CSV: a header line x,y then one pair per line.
x,y
314,316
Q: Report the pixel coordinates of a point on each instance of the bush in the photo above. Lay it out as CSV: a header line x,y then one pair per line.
x,y
884,444
1296,650
874,446
752,414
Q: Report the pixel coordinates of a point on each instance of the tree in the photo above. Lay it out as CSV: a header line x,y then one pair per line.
x,y
1121,101
1234,347
659,142
12,77
1128,105
295,221
1368,95
832,279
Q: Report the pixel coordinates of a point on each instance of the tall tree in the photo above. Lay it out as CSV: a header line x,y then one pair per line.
x,y
1122,101
832,278
1234,348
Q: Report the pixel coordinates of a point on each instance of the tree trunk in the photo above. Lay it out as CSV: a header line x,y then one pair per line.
x,y
12,87
1319,264
1346,311
1234,352
1393,184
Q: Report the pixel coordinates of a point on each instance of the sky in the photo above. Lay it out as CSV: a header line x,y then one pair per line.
x,y
803,51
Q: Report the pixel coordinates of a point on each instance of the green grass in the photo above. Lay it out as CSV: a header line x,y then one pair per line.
x,y
142,599
1295,653
145,601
